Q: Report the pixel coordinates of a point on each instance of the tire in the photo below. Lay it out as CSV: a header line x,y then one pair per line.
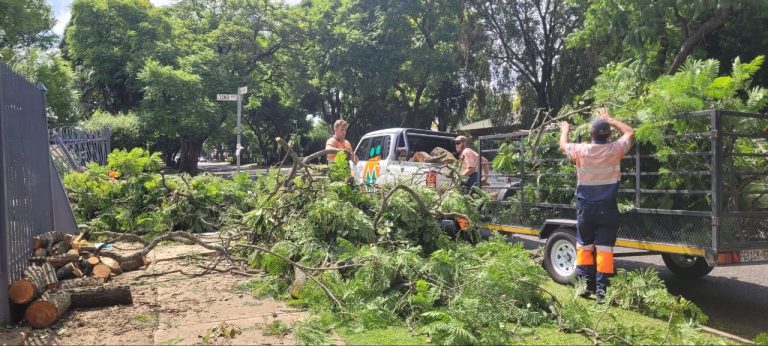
x,y
688,267
560,255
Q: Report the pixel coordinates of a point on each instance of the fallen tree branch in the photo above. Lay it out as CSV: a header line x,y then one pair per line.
x,y
385,203
305,271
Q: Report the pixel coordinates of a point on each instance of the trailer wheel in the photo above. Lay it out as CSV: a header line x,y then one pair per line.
x,y
685,266
560,255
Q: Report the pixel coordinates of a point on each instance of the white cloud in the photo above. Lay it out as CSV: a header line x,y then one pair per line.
x,y
61,22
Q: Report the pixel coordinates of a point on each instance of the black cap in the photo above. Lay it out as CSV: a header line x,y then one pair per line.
x,y
600,127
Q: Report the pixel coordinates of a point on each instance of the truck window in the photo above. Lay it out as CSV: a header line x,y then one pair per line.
x,y
426,144
372,147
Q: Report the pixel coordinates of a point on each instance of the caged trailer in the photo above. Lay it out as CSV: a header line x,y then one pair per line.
x,y
698,196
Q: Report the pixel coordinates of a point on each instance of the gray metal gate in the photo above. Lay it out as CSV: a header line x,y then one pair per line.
x,y
79,147
27,179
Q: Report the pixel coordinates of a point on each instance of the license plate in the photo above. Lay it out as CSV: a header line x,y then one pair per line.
x,y
753,255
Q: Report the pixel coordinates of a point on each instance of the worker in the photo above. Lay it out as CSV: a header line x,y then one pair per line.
x,y
598,173
469,161
339,141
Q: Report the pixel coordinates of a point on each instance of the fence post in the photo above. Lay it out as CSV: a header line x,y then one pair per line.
x,y
716,176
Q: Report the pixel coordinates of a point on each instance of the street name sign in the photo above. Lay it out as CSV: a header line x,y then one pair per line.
x,y
226,97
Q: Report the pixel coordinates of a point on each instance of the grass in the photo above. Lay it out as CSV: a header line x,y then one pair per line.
x,y
385,336
542,335
144,320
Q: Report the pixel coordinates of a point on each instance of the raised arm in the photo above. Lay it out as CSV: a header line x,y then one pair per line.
x,y
565,129
627,133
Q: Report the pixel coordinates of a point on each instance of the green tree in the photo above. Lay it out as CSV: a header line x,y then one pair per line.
x,y
388,63
527,42
664,33
24,23
110,41
56,75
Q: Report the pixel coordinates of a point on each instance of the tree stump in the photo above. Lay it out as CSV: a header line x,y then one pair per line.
x,y
112,264
37,279
48,309
101,270
81,282
68,271
93,260
88,297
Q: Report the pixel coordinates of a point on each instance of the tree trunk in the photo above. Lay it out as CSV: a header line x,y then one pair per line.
x,y
102,270
37,279
714,23
68,271
134,262
81,282
48,309
95,296
59,248
56,261
48,238
189,154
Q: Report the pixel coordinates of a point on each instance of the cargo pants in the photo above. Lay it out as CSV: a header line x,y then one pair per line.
x,y
596,227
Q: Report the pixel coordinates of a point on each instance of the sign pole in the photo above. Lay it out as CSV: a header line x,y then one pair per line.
x,y
239,130
239,98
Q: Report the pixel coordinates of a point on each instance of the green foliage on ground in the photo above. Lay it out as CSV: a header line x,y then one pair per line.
x,y
366,267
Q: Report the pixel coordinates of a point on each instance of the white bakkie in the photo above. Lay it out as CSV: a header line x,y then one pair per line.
x,y
383,158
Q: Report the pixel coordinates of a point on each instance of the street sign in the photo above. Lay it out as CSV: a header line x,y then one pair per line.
x,y
226,97
242,90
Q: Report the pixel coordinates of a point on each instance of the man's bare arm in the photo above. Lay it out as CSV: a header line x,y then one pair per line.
x,y
565,130
627,133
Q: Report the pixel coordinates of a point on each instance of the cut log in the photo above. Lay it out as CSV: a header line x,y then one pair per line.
x,y
68,271
41,252
56,261
81,282
93,260
134,262
87,297
47,239
112,264
48,309
74,251
60,248
102,270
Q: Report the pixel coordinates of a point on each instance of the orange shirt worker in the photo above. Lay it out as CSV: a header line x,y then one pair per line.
x,y
338,141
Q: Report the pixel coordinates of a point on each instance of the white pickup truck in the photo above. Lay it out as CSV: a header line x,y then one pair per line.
x,y
384,158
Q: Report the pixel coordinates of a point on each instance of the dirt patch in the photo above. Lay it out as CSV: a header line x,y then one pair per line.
x,y
170,309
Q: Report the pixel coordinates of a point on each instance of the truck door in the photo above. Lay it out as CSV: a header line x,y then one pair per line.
x,y
372,154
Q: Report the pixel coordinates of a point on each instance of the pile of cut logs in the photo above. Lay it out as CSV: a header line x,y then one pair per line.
x,y
63,275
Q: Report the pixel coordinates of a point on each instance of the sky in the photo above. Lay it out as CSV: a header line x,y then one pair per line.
x,y
62,12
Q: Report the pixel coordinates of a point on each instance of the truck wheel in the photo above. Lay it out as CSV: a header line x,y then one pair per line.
x,y
560,255
685,266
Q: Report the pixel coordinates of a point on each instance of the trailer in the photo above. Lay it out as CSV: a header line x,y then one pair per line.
x,y
700,200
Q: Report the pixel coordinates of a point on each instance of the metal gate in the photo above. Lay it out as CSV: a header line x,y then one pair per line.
x,y
78,147
29,201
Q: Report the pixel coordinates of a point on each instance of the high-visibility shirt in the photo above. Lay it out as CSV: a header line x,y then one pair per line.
x,y
598,169
333,143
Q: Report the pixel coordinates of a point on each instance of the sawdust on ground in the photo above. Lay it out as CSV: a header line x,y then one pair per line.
x,y
171,309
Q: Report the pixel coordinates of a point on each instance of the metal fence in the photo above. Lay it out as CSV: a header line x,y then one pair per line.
x,y
30,191
710,191
78,147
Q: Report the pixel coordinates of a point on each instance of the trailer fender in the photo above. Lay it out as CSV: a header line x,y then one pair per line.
x,y
550,225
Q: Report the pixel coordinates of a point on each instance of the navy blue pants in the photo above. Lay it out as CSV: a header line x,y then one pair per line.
x,y
596,228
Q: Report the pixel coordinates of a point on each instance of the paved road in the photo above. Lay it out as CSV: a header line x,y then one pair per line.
x,y
735,298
